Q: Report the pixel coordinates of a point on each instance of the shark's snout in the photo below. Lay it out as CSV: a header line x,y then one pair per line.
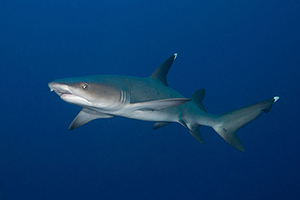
x,y
51,86
66,93
59,88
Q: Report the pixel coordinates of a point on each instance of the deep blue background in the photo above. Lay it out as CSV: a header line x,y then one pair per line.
x,y
240,51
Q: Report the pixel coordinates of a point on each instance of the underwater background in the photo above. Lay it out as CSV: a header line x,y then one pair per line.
x,y
240,51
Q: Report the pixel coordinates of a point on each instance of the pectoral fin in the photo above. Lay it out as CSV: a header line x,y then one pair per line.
x,y
85,116
159,104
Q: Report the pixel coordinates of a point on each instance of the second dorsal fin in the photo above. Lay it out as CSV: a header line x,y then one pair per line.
x,y
198,97
161,72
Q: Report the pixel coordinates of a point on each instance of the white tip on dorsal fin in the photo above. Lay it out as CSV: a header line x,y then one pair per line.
x,y
276,98
175,55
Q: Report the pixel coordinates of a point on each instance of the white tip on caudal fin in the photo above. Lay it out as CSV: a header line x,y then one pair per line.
x,y
231,122
276,99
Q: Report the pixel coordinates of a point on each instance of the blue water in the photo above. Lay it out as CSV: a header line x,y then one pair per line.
x,y
242,52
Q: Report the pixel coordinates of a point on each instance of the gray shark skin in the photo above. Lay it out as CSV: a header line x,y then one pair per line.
x,y
151,99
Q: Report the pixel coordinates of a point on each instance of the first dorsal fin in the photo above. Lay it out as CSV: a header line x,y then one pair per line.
x,y
162,71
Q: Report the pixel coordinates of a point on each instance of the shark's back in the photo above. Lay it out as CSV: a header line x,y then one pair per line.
x,y
145,89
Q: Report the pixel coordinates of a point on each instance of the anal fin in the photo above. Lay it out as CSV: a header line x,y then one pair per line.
x,y
195,132
193,129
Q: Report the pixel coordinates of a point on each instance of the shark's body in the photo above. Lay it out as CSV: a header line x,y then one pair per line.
x,y
151,99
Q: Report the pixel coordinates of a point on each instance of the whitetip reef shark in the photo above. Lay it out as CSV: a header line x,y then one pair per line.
x,y
151,99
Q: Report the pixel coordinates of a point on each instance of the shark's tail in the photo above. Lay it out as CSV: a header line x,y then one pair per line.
x,y
229,123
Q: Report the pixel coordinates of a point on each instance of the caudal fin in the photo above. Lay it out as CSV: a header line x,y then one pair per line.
x,y
231,122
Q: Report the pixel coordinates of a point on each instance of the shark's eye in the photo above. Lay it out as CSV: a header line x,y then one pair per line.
x,y
85,86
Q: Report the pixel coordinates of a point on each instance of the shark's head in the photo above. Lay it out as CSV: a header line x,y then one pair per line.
x,y
91,92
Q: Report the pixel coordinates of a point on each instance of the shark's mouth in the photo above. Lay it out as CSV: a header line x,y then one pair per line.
x,y
63,94
74,99
66,95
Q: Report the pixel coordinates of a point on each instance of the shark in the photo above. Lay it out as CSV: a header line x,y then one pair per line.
x,y
151,99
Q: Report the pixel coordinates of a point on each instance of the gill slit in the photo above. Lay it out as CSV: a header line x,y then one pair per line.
x,y
122,96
